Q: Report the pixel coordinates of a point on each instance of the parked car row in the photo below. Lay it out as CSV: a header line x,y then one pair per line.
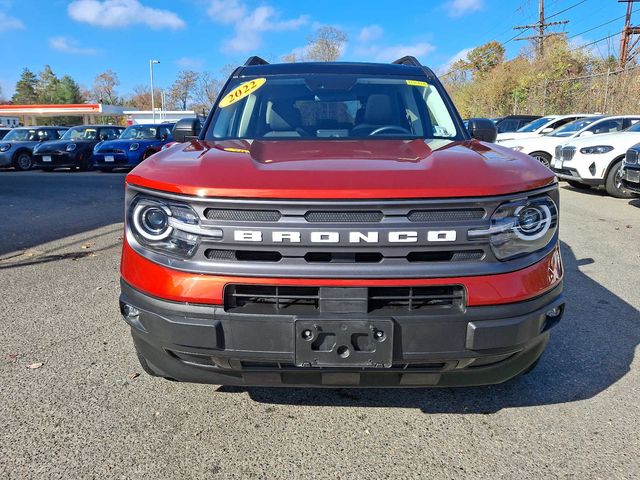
x,y
586,151
104,147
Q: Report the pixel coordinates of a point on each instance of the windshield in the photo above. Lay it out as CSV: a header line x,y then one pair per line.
x,y
633,128
22,135
139,133
81,133
331,107
535,125
573,127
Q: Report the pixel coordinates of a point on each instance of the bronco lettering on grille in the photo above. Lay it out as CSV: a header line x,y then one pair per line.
x,y
348,237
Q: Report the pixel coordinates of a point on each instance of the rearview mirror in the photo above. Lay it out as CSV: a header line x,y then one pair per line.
x,y
482,129
187,129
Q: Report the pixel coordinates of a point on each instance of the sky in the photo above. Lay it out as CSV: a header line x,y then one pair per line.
x,y
82,38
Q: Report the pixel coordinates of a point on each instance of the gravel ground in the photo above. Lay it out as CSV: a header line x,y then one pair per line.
x,y
89,412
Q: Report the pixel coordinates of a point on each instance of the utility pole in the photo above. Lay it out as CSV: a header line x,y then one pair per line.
x,y
630,36
540,25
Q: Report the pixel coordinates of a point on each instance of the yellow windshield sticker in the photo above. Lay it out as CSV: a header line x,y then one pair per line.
x,y
243,90
236,150
417,83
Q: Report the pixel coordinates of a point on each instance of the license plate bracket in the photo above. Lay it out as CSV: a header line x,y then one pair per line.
x,y
108,158
46,158
344,343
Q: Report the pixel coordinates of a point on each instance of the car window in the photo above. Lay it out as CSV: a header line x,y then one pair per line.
x,y
61,133
561,122
44,135
322,106
607,126
21,135
81,133
508,126
110,133
164,131
535,125
627,122
569,129
139,132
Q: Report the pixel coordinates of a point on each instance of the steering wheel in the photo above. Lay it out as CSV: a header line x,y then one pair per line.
x,y
389,127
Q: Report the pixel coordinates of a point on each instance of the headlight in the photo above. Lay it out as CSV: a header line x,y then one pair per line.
x,y
521,227
4,147
70,147
632,157
134,146
596,149
517,149
167,227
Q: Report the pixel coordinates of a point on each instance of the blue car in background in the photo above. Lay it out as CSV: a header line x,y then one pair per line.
x,y
136,143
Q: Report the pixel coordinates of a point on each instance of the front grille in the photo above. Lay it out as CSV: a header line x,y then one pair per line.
x,y
446,215
237,215
632,157
221,255
111,150
567,153
343,217
289,300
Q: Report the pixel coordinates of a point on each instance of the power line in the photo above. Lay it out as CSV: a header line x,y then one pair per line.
x,y
541,25
596,27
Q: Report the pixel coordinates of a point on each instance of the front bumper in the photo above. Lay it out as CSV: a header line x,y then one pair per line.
x,y
115,160
6,158
587,169
206,344
56,159
631,177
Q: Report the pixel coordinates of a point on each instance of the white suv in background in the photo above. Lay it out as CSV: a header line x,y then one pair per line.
x,y
596,161
540,126
542,148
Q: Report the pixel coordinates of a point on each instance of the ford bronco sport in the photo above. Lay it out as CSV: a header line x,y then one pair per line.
x,y
334,224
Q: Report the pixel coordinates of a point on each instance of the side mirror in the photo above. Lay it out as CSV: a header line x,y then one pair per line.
x,y
187,129
482,129
547,130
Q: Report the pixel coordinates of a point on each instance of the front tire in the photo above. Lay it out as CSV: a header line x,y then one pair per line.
x,y
85,163
613,183
23,161
543,157
578,185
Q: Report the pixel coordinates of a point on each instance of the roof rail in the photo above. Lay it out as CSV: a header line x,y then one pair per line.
x,y
255,60
408,60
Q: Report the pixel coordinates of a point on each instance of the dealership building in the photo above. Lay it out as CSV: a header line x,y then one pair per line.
x,y
87,113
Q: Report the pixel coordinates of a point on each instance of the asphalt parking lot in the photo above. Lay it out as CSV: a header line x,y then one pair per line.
x,y
90,412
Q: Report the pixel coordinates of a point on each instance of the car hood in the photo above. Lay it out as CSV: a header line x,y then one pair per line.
x,y
502,137
60,145
125,144
340,169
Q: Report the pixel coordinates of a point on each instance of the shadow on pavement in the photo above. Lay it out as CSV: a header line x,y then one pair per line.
x,y
42,207
590,349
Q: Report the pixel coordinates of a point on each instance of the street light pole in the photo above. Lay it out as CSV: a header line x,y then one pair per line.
x,y
153,103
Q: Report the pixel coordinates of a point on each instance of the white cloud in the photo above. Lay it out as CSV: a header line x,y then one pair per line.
x,y
249,25
122,13
462,54
190,62
388,53
69,45
458,8
9,23
369,33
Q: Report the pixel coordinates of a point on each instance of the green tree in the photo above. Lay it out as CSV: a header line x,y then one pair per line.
x,y
47,85
484,58
68,91
25,93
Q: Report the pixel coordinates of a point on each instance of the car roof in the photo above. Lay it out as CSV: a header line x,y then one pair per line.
x,y
151,124
97,126
35,127
343,68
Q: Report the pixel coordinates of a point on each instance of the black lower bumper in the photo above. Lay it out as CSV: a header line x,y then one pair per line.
x,y
56,160
631,178
206,344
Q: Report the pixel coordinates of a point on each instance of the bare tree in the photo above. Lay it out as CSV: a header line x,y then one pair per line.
x,y
206,92
183,88
104,87
326,44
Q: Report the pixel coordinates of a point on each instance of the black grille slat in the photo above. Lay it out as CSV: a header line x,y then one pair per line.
x,y
286,300
241,215
317,216
446,215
